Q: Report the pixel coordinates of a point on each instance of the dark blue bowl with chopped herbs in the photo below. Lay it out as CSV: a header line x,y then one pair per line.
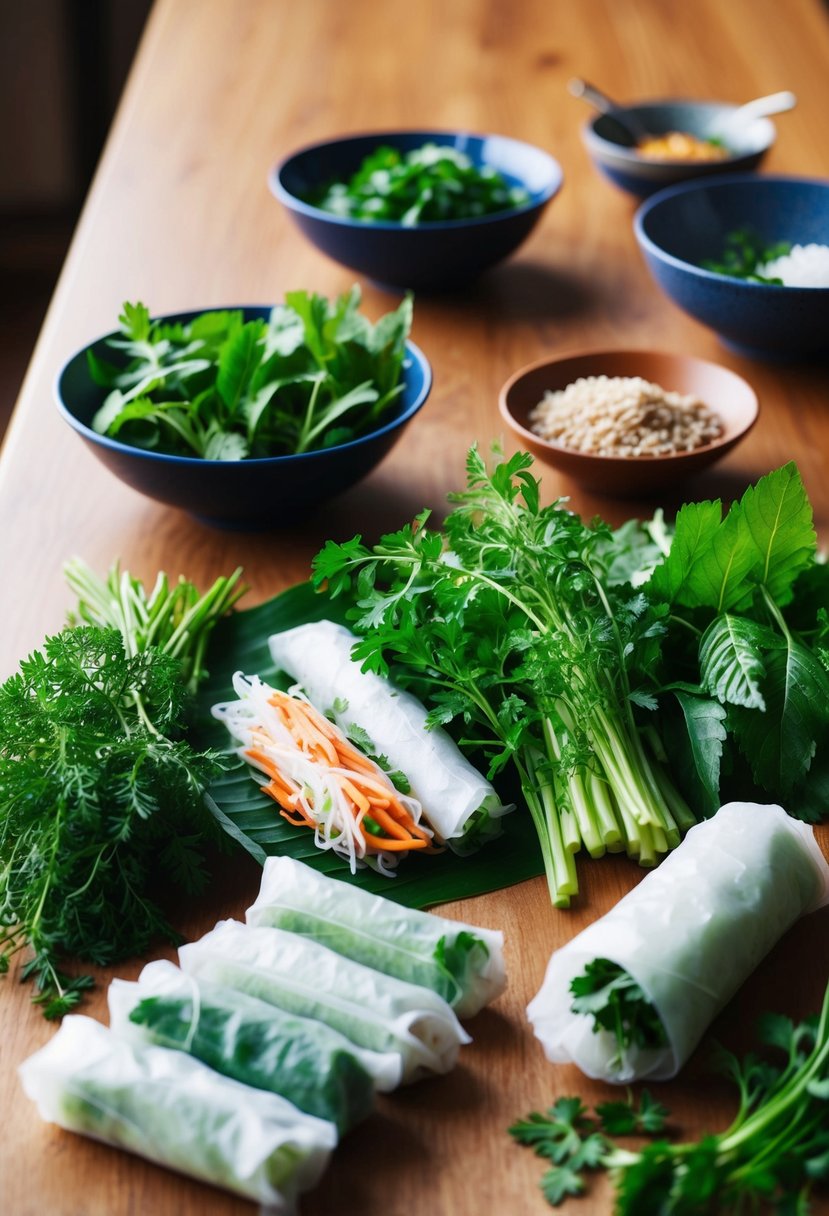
x,y
430,211
703,242
257,491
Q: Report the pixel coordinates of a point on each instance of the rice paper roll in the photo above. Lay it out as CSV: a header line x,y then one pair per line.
x,y
458,802
689,934
373,1010
314,1067
461,963
175,1111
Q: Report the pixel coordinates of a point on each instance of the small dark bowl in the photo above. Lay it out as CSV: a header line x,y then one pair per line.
x,y
680,228
723,391
429,257
614,155
251,494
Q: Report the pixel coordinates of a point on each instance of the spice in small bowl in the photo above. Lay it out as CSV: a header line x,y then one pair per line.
x,y
624,416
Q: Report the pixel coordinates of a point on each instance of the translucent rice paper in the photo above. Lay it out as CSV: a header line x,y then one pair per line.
x,y
690,933
314,1067
173,1110
458,802
371,1009
461,963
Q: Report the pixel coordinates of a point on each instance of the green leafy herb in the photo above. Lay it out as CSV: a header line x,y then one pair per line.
x,y
313,374
772,1157
745,598
429,184
100,796
610,996
509,625
745,255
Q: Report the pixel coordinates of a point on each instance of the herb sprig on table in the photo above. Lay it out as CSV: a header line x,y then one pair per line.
x,y
100,794
433,183
316,373
773,1155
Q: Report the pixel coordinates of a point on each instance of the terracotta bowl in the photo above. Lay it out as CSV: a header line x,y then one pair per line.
x,y
723,391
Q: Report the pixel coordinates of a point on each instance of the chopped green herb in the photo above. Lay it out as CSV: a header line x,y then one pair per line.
x,y
744,255
429,184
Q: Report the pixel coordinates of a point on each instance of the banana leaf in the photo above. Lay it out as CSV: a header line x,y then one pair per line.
x,y
240,643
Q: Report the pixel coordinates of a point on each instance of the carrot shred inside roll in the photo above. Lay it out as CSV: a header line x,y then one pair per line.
x,y
320,780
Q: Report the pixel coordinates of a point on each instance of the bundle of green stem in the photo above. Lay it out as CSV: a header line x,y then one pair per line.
x,y
510,624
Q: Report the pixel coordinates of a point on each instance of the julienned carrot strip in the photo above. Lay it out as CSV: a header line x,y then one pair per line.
x,y
384,844
366,790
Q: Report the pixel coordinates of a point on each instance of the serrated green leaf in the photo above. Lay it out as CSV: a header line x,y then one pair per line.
x,y
731,656
776,526
780,743
696,525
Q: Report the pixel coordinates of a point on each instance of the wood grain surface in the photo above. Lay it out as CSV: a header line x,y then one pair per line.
x,y
180,217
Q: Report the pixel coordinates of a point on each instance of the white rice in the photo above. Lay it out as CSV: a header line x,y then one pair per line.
x,y
804,266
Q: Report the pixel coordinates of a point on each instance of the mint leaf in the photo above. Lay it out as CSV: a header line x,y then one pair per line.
x,y
776,526
731,658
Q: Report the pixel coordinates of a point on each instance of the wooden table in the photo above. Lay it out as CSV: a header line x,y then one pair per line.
x,y
180,216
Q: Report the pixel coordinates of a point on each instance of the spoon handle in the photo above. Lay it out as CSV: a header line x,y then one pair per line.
x,y
605,105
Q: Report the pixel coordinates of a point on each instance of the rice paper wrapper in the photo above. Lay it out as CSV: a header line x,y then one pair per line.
x,y
690,934
171,1109
459,803
312,1065
372,1010
462,963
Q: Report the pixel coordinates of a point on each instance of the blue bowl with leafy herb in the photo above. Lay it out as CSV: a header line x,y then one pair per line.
x,y
417,250
738,147
700,238
257,491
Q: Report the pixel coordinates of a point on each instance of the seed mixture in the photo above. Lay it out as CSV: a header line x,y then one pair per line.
x,y
624,416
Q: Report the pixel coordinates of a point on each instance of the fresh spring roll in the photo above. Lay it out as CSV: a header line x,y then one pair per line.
x,y
688,936
460,804
240,1036
371,1009
175,1111
461,963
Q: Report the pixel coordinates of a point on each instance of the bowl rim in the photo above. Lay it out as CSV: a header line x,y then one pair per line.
x,y
294,203
609,457
413,351
601,145
756,181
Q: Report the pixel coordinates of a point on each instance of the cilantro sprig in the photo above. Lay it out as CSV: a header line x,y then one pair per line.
x,y
100,794
433,183
771,1158
509,625
316,373
609,995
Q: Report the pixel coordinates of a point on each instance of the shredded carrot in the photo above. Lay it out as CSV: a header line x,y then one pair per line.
x,y
366,789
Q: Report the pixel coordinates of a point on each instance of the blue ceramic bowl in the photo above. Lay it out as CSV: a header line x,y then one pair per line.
x,y
429,257
686,225
613,153
251,494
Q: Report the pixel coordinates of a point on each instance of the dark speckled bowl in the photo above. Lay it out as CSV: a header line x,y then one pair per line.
x,y
427,257
682,227
241,494
611,150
